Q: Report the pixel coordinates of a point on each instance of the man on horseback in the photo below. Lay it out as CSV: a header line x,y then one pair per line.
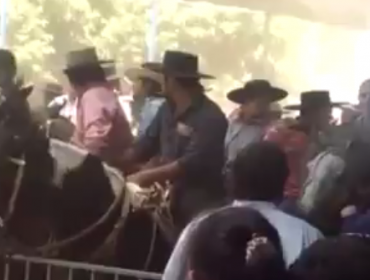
x,y
147,94
101,126
187,136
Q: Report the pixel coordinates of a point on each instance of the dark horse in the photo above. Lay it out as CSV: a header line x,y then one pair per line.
x,y
62,210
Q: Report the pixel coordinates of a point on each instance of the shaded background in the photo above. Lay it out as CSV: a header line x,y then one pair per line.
x,y
299,45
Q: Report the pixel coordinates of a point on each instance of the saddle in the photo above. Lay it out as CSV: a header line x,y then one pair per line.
x,y
156,200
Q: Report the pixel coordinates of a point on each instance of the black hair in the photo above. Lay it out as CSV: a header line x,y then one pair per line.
x,y
337,258
259,172
219,246
191,84
83,75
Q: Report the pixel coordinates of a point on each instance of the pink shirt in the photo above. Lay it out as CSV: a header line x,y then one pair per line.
x,y
295,144
102,128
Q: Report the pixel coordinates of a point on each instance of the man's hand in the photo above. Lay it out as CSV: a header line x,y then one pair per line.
x,y
145,178
141,178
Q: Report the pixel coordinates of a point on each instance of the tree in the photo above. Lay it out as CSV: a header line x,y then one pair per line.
x,y
233,44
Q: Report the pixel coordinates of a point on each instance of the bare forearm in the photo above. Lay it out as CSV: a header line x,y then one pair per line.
x,y
163,173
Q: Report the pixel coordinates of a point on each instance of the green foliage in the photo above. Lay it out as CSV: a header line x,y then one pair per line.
x,y
233,44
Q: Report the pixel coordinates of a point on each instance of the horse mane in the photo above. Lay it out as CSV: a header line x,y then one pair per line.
x,y
85,192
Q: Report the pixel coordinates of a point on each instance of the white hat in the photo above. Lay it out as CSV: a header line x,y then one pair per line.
x,y
135,74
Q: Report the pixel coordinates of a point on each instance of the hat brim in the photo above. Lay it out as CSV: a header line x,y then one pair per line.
x,y
134,74
96,63
241,95
297,107
199,75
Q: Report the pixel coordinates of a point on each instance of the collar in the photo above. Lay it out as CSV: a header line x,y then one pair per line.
x,y
253,203
196,103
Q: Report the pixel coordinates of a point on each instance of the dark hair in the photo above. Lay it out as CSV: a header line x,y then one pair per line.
x,y
259,172
83,75
339,258
153,87
190,84
222,248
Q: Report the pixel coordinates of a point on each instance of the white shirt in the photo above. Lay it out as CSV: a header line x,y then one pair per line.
x,y
69,110
295,235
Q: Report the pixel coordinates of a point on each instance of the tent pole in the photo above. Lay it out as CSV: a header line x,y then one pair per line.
x,y
3,21
152,33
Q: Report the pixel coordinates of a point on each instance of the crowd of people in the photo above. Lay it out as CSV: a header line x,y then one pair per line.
x,y
255,195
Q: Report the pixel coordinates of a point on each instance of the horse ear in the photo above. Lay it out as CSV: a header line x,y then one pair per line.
x,y
26,91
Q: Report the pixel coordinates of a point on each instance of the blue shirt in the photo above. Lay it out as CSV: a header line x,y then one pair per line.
x,y
148,112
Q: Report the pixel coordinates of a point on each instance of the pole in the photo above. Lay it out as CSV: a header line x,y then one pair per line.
x,y
152,33
3,21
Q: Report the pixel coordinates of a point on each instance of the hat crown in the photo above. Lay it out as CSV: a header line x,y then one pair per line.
x,y
257,85
180,62
315,97
87,56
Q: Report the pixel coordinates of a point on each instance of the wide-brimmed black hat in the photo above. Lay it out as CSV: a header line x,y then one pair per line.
x,y
255,89
83,58
180,64
315,99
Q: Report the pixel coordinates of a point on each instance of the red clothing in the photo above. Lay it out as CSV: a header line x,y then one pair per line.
x,y
295,144
102,127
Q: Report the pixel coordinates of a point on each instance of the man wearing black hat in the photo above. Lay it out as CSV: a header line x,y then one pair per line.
x,y
303,139
101,126
249,124
188,135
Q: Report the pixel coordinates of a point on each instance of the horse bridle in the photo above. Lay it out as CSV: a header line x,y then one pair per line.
x,y
16,190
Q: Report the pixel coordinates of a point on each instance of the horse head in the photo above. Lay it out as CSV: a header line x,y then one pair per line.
x,y
26,167
15,119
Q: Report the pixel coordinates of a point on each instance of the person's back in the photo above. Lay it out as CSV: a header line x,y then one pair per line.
x,y
260,172
228,243
117,136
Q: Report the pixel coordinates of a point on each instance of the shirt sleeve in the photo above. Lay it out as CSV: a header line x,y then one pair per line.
x,y
148,144
97,112
177,265
206,145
